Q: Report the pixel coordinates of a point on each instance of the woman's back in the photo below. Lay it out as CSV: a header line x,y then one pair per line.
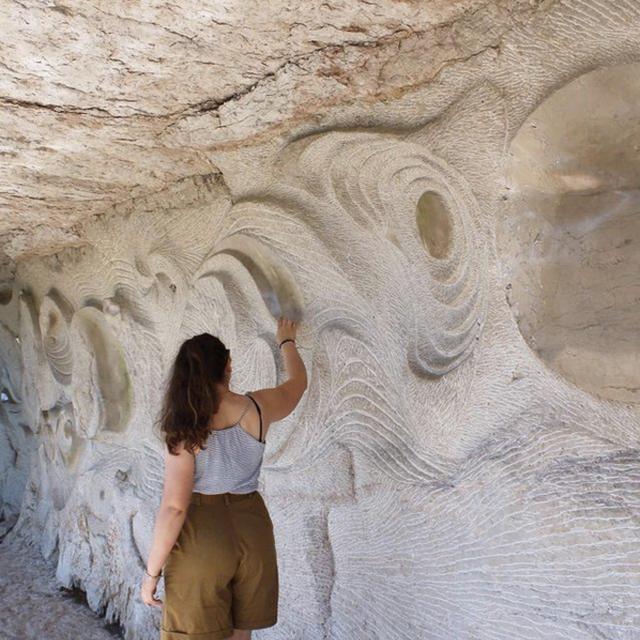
x,y
232,457
221,572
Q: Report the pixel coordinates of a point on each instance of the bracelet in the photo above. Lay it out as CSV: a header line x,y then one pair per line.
x,y
287,340
151,575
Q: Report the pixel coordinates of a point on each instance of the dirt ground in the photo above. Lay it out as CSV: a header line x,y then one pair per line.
x,y
33,606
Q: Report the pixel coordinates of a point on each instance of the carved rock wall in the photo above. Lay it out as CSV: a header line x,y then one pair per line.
x,y
570,238
442,477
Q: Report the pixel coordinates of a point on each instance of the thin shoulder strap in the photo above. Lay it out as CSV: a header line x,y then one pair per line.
x,y
244,411
259,413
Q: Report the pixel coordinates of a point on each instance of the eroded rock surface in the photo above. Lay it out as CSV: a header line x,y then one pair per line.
x,y
101,102
572,234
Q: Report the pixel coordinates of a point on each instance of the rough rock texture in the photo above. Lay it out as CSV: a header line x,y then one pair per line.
x,y
104,101
444,477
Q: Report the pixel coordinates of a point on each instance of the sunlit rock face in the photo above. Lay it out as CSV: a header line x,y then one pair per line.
x,y
448,474
571,236
105,101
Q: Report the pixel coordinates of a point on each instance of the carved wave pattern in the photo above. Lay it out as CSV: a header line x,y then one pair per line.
x,y
377,181
55,316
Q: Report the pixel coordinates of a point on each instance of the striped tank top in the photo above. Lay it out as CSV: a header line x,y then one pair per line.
x,y
231,461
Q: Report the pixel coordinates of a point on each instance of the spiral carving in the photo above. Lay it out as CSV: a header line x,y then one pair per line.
x,y
55,315
390,188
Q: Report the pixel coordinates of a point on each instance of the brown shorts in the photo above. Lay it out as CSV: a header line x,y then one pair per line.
x,y
222,571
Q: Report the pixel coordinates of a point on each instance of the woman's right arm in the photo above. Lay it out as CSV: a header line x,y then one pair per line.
x,y
278,402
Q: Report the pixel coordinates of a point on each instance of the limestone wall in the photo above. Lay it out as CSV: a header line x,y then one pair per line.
x,y
463,260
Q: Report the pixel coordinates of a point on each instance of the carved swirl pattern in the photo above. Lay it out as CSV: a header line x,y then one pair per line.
x,y
55,314
378,181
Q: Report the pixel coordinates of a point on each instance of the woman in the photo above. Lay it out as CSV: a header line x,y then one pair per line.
x,y
213,536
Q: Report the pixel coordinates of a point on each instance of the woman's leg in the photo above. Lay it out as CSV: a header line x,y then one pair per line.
x,y
241,634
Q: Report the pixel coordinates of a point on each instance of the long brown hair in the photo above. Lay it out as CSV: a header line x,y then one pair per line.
x,y
190,398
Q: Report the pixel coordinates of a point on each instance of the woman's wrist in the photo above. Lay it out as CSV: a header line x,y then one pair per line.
x,y
286,340
153,576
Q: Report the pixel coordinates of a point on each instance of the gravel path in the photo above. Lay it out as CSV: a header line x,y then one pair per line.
x,y
34,606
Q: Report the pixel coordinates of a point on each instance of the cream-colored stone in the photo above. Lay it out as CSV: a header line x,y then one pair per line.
x,y
106,101
572,231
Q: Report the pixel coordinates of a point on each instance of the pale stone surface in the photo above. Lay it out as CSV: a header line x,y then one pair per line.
x,y
439,480
103,101
572,233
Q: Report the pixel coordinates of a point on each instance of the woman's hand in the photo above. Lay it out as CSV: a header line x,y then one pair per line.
x,y
286,329
148,590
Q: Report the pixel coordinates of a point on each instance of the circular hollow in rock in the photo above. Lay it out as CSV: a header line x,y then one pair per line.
x,y
6,293
102,389
570,239
434,224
